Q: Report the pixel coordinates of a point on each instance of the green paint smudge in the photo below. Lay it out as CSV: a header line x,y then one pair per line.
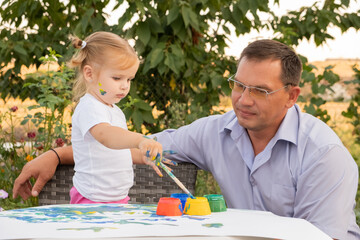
x,y
213,225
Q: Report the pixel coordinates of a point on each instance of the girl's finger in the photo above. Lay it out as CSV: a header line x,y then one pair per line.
x,y
157,170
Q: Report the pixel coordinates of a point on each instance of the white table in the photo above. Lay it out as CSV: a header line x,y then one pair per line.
x,y
134,221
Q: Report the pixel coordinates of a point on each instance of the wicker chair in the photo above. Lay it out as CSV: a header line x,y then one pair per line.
x,y
148,186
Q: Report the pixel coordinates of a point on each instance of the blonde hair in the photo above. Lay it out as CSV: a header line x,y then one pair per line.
x,y
93,52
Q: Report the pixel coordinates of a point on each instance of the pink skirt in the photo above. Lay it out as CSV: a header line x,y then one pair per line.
x,y
77,198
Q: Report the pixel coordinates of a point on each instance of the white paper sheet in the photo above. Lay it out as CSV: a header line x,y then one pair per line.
x,y
133,220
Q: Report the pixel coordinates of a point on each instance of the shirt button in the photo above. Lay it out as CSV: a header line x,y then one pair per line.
x,y
252,182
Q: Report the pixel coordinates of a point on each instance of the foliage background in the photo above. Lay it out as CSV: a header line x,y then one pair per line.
x,y
182,46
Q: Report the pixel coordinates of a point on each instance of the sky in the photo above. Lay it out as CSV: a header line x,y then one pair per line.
x,y
344,46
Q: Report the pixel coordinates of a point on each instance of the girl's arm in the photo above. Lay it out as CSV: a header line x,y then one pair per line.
x,y
119,138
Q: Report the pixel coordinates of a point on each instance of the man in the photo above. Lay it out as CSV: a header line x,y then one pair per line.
x,y
265,154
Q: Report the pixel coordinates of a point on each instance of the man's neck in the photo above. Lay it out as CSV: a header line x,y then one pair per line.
x,y
260,139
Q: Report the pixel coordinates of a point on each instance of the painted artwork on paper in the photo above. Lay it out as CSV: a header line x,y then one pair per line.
x,y
133,220
94,213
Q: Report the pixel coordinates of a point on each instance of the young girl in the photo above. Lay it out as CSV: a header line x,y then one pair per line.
x,y
101,142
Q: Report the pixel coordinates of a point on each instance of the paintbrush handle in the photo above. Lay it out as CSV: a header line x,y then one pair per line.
x,y
176,180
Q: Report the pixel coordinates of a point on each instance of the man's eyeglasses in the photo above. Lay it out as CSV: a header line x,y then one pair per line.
x,y
255,92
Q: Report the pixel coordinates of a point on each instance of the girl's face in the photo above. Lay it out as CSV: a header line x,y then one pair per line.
x,y
110,83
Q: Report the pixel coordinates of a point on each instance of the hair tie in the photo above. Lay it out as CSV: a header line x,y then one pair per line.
x,y
83,44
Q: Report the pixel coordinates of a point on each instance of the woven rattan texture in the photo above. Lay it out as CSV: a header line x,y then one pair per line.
x,y
148,186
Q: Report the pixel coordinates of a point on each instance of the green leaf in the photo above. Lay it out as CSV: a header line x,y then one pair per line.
x,y
310,109
155,26
170,61
186,12
216,80
137,119
317,101
345,2
308,76
253,6
244,6
143,105
128,112
19,49
173,14
23,122
156,55
143,32
148,117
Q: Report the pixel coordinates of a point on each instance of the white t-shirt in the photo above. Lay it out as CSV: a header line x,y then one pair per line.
x,y
101,174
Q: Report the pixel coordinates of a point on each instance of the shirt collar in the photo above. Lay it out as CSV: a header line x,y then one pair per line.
x,y
233,127
287,131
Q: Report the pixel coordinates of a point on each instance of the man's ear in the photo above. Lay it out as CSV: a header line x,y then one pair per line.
x,y
88,73
294,93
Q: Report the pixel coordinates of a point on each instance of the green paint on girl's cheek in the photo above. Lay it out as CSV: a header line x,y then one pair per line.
x,y
102,92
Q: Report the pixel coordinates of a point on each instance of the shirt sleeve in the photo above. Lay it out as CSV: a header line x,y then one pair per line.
x,y
187,142
90,115
326,190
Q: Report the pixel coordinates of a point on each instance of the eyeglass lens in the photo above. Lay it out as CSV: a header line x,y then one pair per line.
x,y
240,88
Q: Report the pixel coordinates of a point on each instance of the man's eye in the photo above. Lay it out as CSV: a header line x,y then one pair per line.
x,y
258,91
239,85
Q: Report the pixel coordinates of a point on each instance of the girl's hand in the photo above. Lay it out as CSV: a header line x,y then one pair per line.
x,y
150,149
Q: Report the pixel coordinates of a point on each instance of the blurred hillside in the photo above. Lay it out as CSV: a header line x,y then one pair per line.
x,y
343,68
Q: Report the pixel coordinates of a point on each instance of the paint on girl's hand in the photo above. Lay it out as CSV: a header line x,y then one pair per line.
x,y
102,91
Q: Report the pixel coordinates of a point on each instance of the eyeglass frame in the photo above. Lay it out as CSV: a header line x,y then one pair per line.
x,y
251,87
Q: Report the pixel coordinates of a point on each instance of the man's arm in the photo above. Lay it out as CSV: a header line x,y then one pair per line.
x,y
42,168
326,176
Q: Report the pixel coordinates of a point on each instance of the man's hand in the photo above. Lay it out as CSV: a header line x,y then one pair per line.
x,y
42,169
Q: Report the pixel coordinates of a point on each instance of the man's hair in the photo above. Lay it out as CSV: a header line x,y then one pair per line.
x,y
291,66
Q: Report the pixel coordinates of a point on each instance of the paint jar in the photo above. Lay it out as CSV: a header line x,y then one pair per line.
x,y
169,207
197,206
182,196
216,202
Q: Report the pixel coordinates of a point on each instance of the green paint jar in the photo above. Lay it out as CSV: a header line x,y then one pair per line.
x,y
216,202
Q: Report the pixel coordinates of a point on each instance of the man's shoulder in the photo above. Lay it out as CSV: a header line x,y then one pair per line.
x,y
316,130
218,119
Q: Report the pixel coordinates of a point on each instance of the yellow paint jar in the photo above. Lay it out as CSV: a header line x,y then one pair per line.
x,y
197,206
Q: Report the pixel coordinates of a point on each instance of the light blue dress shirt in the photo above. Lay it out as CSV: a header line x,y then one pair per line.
x,y
304,172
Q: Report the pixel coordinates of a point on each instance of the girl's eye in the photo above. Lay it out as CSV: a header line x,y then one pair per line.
x,y
116,78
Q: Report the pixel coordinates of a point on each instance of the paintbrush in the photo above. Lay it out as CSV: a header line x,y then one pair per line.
x,y
176,180
158,162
